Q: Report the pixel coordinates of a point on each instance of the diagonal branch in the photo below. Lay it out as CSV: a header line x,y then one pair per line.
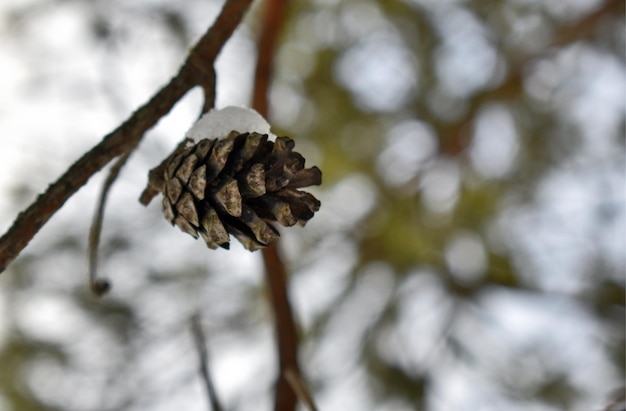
x,y
127,136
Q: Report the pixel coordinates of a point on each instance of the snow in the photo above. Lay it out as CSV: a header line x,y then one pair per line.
x,y
219,123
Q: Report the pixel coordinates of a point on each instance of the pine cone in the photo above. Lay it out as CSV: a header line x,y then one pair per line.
x,y
238,185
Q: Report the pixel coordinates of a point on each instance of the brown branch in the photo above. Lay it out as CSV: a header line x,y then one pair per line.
x,y
200,341
127,136
208,85
275,11
285,398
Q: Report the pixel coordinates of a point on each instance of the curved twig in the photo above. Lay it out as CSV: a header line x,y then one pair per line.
x,y
100,286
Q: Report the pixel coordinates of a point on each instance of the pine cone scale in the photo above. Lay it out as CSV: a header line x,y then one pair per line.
x,y
252,183
187,209
197,182
229,198
213,231
174,189
173,164
186,168
185,226
218,157
203,148
168,212
306,177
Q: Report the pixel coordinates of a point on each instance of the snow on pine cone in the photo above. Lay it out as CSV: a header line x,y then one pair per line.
x,y
238,185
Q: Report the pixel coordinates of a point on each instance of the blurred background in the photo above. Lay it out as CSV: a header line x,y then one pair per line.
x,y
470,249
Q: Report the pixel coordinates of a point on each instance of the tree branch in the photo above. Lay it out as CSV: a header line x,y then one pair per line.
x,y
285,398
273,19
127,136
200,341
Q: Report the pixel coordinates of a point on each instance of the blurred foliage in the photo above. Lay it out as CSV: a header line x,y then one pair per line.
x,y
469,251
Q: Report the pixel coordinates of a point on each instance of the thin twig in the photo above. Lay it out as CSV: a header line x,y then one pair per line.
x,y
126,136
200,341
100,286
297,385
275,273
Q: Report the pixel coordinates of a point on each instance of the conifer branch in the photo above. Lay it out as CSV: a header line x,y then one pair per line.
x,y
195,71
